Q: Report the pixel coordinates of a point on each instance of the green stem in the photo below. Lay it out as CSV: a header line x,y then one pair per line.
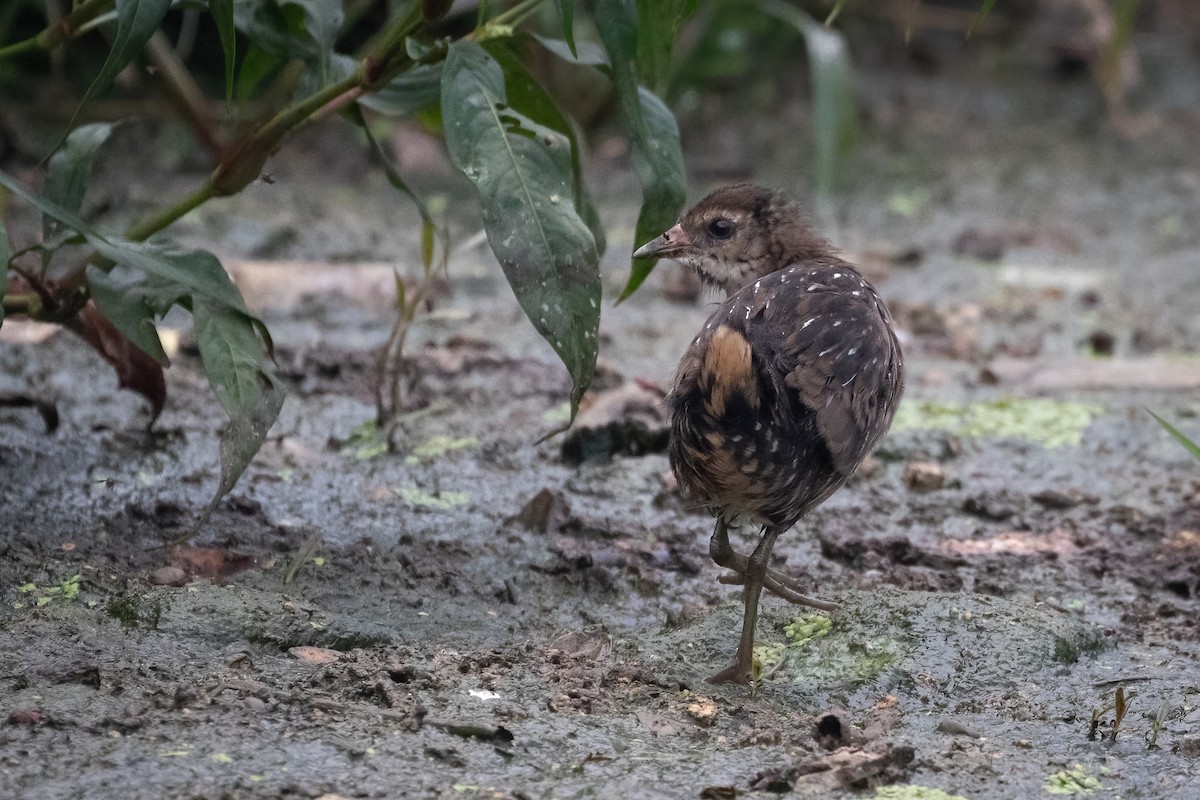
x,y
60,31
515,14
152,225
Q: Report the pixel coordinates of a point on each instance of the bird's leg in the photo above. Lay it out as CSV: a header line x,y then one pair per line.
x,y
774,581
720,551
742,668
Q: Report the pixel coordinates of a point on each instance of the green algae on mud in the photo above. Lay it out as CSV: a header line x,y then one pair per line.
x,y
1050,423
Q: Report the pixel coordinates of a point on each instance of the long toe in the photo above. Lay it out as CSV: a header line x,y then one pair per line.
x,y
737,672
778,584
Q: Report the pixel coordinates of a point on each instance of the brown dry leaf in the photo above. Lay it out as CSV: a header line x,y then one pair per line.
x,y
135,369
314,655
1058,541
210,562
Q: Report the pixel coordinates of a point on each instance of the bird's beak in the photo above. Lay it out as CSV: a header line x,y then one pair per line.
x,y
672,242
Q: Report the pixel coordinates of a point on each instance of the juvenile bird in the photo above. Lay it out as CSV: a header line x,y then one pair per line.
x,y
790,383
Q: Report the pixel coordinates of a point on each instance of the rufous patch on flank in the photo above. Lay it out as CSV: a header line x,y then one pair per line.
x,y
727,370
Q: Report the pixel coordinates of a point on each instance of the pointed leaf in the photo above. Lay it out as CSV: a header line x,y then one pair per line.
x,y
222,14
835,105
1178,435
657,156
137,20
566,15
257,64
659,165
233,356
70,171
657,24
588,54
522,171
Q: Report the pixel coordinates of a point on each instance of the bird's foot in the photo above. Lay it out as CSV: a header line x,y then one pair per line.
x,y
783,586
737,672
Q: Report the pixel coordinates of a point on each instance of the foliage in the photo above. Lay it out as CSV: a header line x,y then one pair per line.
x,y
1178,436
503,130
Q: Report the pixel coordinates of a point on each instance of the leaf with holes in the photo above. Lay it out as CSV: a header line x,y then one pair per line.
x,y
522,171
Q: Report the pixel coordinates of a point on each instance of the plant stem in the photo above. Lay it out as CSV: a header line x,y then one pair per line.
x,y
515,14
148,227
60,31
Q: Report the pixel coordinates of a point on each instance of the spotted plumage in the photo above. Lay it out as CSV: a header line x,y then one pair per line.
x,y
790,383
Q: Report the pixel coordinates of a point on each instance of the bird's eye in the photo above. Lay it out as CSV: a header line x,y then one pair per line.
x,y
720,228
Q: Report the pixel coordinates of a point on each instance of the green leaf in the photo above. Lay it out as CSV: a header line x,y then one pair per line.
x,y
528,96
233,344
119,299
663,181
414,90
566,15
522,171
232,352
588,54
276,28
194,272
222,14
657,23
257,64
835,106
1187,443
70,171
657,156
137,20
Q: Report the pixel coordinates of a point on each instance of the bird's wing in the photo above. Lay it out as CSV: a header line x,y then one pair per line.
x,y
828,350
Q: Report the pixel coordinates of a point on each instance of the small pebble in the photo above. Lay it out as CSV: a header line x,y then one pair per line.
x,y
704,711
168,576
924,476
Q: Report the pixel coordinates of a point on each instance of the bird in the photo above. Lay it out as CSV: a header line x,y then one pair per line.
x,y
791,382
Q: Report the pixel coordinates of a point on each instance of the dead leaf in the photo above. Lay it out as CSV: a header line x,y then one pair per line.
x,y
135,369
210,562
314,655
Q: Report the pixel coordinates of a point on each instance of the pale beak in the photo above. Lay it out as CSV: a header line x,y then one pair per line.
x,y
672,242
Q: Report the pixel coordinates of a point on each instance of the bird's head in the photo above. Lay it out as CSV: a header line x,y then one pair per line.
x,y
736,235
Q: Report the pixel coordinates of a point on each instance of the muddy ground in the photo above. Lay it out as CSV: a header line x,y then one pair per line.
x,y
475,615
